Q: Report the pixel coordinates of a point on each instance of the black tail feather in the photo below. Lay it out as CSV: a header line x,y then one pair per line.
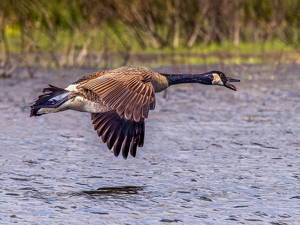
x,y
43,100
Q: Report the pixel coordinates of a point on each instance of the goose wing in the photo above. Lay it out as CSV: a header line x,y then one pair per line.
x,y
119,133
127,90
91,76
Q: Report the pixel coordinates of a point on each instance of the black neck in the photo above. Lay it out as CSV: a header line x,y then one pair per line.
x,y
205,78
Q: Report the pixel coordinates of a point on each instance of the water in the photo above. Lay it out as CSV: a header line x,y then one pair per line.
x,y
211,156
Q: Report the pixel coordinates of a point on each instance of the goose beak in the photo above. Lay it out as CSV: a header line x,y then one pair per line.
x,y
229,85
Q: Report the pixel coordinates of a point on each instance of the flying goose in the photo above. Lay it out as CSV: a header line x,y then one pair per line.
x,y
119,101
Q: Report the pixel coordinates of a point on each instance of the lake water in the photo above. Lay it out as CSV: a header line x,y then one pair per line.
x,y
211,156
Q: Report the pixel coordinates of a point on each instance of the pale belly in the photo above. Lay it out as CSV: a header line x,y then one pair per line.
x,y
78,104
83,105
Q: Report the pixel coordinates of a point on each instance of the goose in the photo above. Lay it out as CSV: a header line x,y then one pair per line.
x,y
119,101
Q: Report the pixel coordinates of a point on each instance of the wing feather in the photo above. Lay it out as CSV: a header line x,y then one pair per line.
x,y
120,99
145,107
118,132
127,90
138,107
122,105
130,106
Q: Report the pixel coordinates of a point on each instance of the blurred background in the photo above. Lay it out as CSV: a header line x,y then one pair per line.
x,y
112,33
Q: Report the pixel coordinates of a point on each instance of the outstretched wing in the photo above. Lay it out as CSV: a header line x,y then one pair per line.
x,y
127,90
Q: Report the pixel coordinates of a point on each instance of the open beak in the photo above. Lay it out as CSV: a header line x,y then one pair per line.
x,y
229,85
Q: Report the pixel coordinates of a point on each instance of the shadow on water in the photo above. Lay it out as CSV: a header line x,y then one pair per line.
x,y
112,191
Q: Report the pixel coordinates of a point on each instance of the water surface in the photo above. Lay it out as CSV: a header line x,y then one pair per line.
x,y
211,156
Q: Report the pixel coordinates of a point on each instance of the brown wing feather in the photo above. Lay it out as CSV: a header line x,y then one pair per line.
x,y
91,76
118,132
128,90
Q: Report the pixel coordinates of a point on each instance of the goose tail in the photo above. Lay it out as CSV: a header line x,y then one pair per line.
x,y
51,99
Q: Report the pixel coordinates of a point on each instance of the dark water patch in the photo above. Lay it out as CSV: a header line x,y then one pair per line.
x,y
264,146
12,194
242,177
27,189
260,213
83,184
295,197
284,215
66,136
233,218
60,207
278,223
240,206
131,190
201,216
95,177
296,176
19,179
203,198
170,221
30,162
240,144
255,187
254,220
187,207
100,213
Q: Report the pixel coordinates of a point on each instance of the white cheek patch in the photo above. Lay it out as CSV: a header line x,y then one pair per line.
x,y
217,80
72,87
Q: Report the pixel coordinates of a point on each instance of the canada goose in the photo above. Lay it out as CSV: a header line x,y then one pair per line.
x,y
119,100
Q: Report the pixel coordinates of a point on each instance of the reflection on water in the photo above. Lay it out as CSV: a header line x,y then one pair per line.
x,y
211,156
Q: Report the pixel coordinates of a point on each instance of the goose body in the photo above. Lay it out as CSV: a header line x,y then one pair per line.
x,y
119,101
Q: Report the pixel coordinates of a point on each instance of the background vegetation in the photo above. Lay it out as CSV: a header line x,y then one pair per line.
x,y
107,32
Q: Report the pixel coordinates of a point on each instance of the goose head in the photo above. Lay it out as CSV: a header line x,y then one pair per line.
x,y
219,78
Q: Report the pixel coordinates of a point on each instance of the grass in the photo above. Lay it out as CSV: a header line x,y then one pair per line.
x,y
105,40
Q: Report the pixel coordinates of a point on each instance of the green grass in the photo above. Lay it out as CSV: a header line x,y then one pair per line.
x,y
105,38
